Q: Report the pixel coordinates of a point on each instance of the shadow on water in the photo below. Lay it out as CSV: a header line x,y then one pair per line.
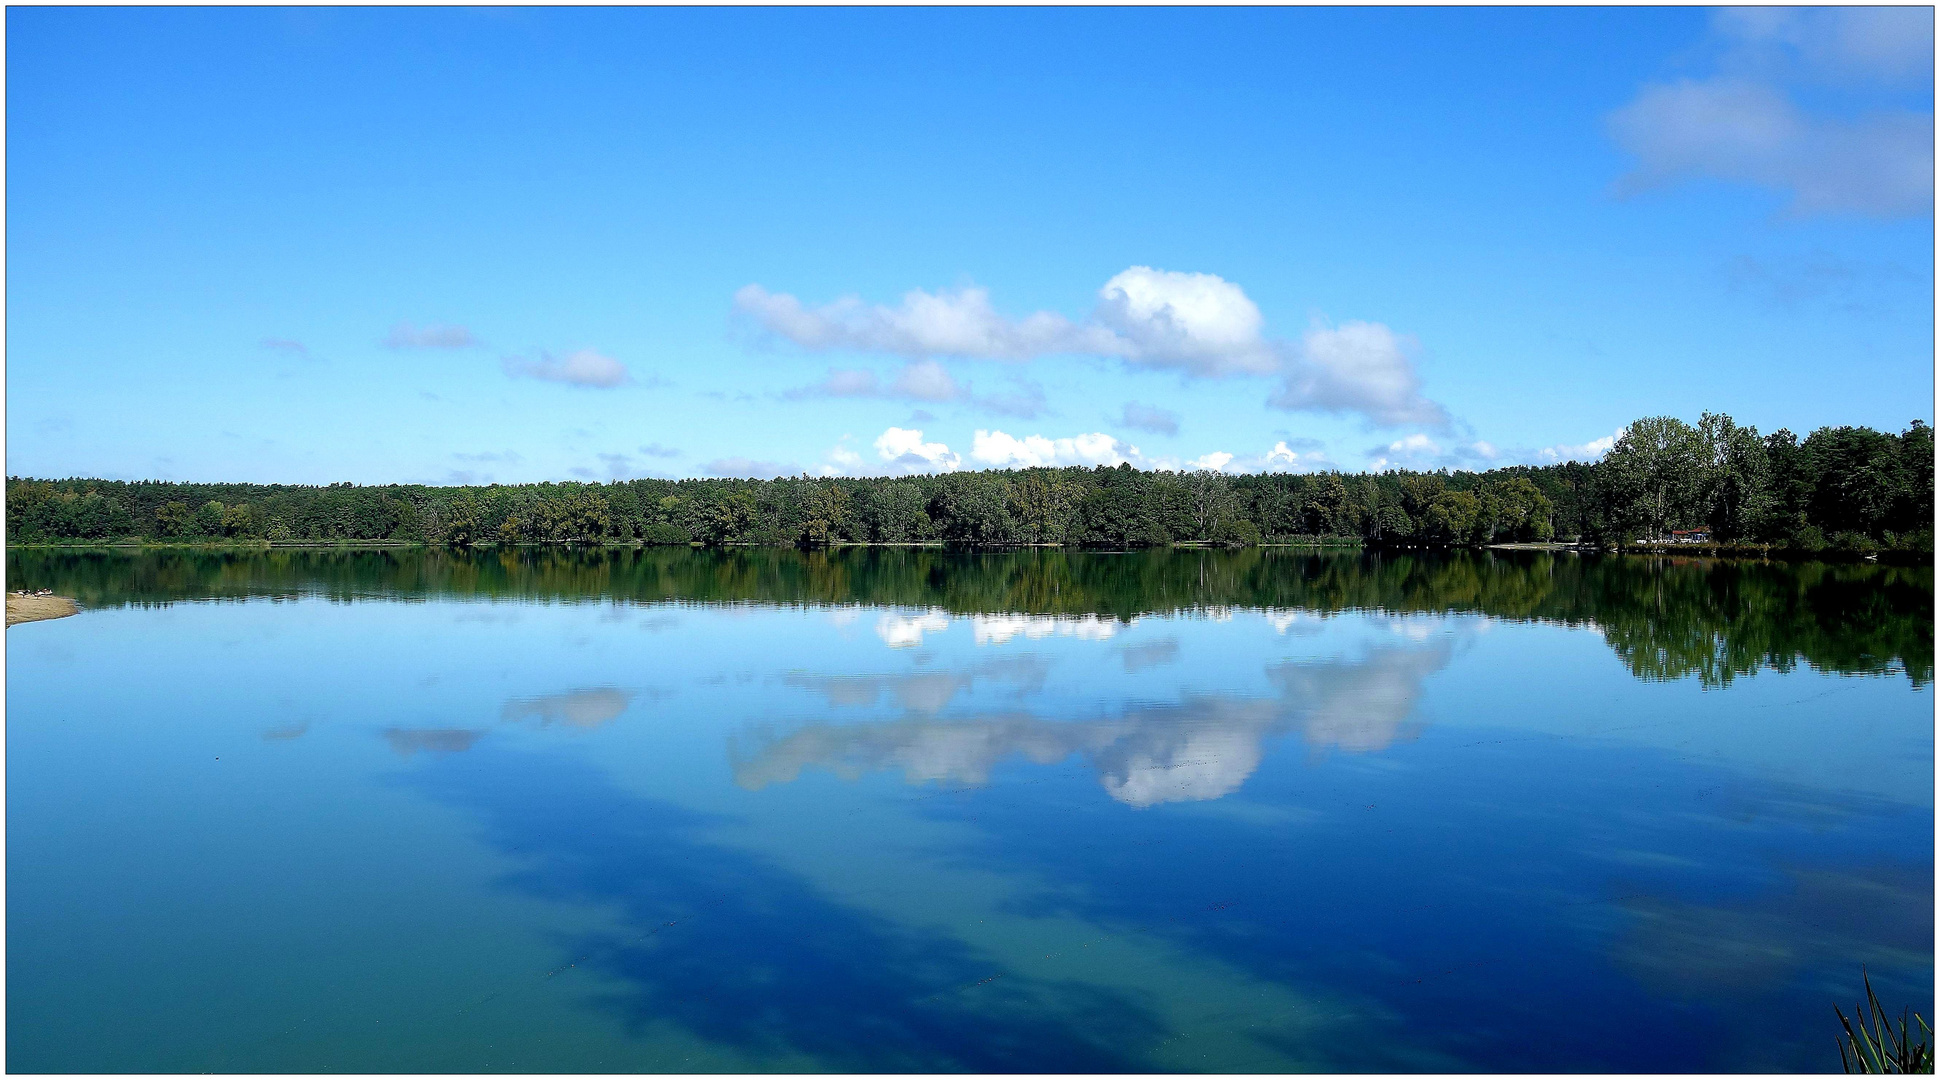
x,y
1665,618
743,953
1524,913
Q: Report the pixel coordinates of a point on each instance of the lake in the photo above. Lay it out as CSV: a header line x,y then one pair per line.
x,y
911,810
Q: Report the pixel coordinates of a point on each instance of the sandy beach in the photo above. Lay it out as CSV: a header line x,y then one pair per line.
x,y
22,608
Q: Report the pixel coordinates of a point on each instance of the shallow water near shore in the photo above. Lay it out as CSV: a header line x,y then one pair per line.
x,y
911,810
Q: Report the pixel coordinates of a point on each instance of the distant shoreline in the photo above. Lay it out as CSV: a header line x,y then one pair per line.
x,y
1726,552
23,609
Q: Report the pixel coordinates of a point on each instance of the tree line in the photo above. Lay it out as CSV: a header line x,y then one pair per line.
x,y
1845,488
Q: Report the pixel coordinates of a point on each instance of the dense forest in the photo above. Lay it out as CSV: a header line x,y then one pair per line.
x,y
1849,489
1665,618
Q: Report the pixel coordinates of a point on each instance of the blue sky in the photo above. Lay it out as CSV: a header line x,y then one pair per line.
x,y
440,246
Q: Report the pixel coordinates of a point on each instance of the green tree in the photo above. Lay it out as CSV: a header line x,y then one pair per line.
x,y
1655,471
1734,480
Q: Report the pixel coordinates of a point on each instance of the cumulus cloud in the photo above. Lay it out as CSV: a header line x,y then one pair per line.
x,y
1199,325
1285,458
1149,418
582,368
904,449
999,450
435,336
1212,462
1743,125
1358,367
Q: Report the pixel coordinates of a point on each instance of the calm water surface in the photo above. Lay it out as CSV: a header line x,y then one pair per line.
x,y
904,810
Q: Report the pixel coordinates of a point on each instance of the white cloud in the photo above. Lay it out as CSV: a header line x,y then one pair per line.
x,y
1199,325
1358,367
406,336
1283,458
1212,462
959,322
905,449
582,368
999,450
1589,451
1742,125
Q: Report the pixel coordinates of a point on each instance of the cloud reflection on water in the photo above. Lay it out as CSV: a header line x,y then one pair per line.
x,y
1201,747
575,708
409,741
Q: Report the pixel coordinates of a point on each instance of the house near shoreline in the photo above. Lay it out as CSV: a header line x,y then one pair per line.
x,y
1690,536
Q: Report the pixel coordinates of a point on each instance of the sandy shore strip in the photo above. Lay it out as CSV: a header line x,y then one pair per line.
x,y
22,607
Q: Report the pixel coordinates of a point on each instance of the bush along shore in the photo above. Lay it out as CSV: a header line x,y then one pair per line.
x,y
1715,488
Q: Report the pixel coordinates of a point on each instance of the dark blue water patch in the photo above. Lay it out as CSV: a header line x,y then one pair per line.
x,y
743,953
1528,905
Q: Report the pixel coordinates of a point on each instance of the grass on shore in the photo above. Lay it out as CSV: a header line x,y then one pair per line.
x,y
1878,1048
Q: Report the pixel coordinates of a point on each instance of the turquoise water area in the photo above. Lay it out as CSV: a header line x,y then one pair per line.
x,y
911,810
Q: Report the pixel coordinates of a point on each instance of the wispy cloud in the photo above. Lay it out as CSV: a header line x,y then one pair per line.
x,y
659,451
1195,324
436,336
1148,418
1418,451
585,368
1742,123
747,468
618,466
926,381
287,347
